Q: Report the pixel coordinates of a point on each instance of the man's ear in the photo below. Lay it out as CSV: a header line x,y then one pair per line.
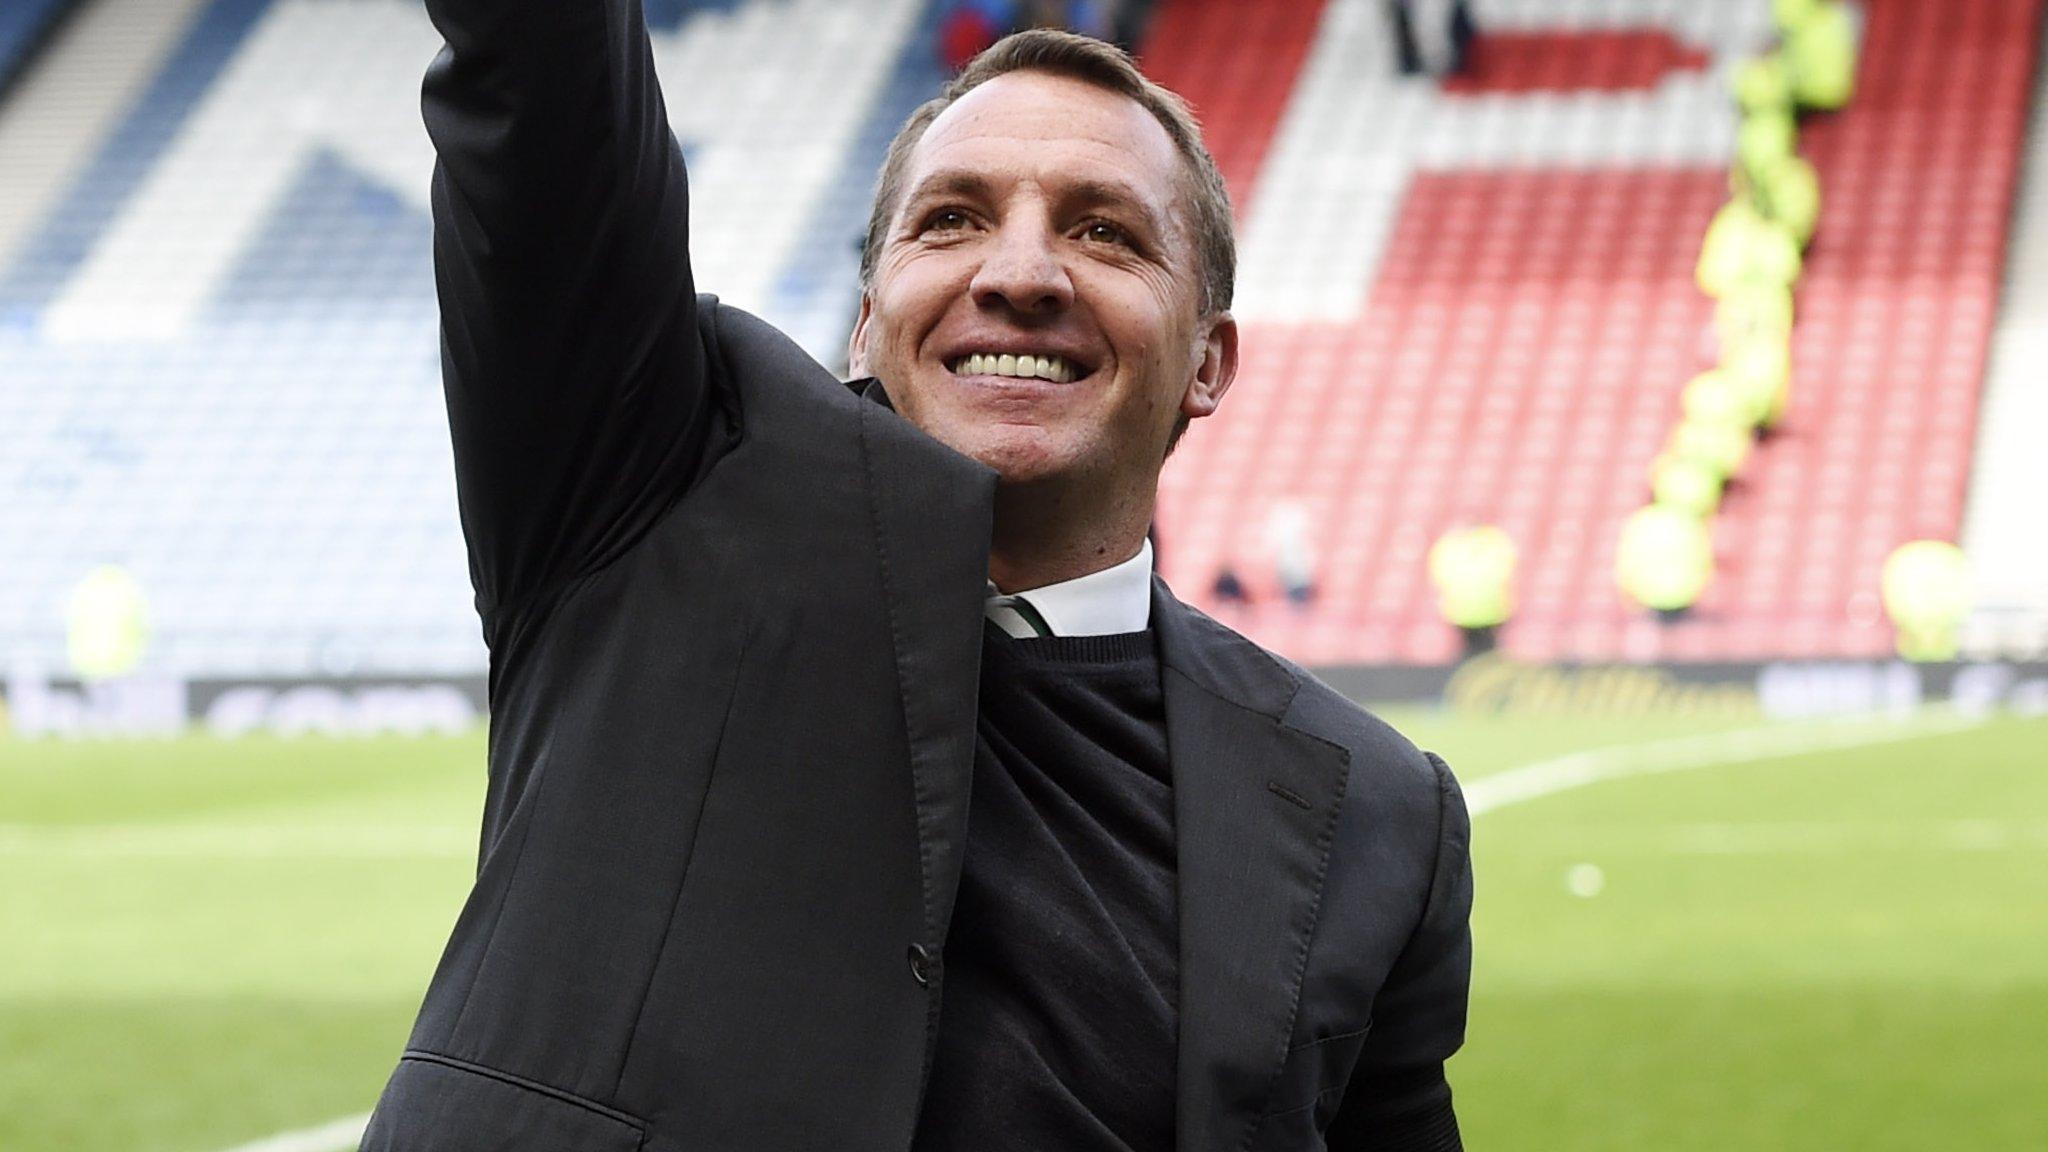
x,y
857,343
1216,370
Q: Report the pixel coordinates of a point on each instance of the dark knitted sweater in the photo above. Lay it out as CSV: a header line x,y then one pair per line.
x,y
1061,966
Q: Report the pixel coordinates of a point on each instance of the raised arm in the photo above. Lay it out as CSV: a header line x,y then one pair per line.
x,y
576,379
1398,1099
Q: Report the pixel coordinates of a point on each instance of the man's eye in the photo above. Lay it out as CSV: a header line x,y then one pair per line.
x,y
945,220
1103,232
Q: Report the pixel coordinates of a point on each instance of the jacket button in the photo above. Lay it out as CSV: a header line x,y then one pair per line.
x,y
920,965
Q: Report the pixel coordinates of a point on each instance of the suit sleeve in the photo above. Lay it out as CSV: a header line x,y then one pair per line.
x,y
1398,1099
576,378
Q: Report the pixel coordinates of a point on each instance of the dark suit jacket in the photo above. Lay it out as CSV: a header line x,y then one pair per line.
x,y
734,616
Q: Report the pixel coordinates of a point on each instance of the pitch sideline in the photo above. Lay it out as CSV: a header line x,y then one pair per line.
x,y
1542,778
333,1136
1517,785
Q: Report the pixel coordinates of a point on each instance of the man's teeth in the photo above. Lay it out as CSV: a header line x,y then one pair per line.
x,y
1053,368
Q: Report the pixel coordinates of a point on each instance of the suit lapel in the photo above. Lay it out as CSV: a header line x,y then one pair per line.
x,y
932,511
1255,805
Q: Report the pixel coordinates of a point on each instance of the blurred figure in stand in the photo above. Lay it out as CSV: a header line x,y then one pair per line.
x,y
1088,17
106,624
1926,587
1431,37
1294,557
1228,587
971,27
1664,560
1401,24
1474,573
1820,52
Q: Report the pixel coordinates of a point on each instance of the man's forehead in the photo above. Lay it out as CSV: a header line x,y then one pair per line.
x,y
1102,136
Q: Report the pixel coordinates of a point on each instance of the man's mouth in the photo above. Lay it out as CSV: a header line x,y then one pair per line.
x,y
1057,369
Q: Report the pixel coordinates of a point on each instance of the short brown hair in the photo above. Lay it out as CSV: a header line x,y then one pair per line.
x,y
1105,66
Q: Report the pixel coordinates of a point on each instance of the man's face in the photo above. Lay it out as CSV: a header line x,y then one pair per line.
x,y
1036,304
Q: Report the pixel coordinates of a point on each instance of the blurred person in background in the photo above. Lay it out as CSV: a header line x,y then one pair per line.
x,y
971,27
814,704
1293,552
1401,27
1473,569
106,621
1087,17
1228,587
1431,37
1926,588
1820,51
1664,560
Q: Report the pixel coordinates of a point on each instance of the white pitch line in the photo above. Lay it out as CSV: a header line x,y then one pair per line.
x,y
1513,786
1741,746
1810,838
239,841
333,1136
1813,838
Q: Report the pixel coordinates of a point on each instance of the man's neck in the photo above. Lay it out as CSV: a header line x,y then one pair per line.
x,y
1042,538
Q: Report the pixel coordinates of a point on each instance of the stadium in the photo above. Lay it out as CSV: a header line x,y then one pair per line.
x,y
1640,407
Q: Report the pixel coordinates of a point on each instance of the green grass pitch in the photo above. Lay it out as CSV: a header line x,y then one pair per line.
x,y
205,943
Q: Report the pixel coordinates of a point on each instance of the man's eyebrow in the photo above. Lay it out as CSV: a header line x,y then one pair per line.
x,y
1116,193
950,182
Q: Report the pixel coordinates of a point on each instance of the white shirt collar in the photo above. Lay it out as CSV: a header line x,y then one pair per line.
x,y
1116,599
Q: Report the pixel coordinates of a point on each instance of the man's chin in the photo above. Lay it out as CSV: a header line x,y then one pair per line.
x,y
1021,459
1018,453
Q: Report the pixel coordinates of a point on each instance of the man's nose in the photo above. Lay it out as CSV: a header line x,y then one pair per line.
x,y
1023,272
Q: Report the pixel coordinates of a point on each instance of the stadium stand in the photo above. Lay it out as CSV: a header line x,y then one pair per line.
x,y
1594,61
23,25
1465,301
1530,321
63,103
2001,533
219,351
1896,315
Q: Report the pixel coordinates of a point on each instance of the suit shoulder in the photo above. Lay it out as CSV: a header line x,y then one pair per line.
x,y
1379,753
1395,795
1381,758
779,386
749,349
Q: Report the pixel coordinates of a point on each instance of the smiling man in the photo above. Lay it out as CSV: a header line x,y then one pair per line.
x,y
854,783
1037,296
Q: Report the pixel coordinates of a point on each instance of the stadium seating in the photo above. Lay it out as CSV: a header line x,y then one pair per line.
x,y
1463,300
218,353
22,24
1633,60
1531,318
2001,535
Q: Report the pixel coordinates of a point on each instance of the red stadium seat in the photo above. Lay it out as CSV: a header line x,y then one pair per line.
x,y
1522,347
